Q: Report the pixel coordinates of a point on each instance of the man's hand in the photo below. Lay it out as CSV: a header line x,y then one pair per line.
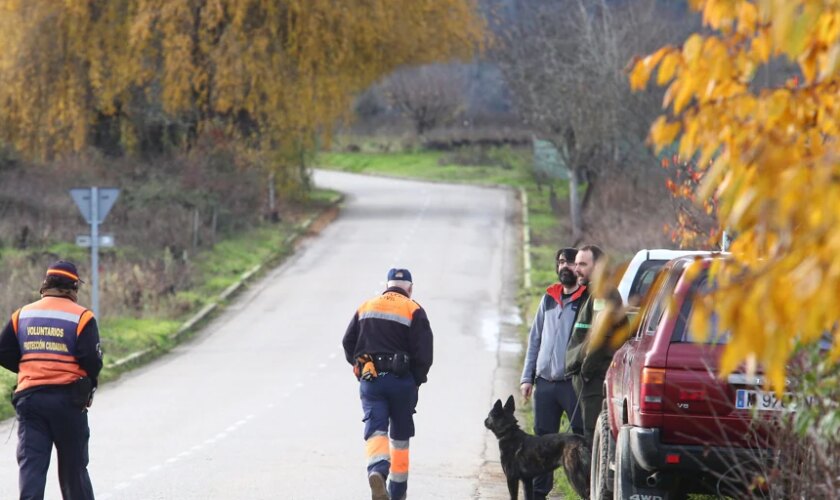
x,y
526,389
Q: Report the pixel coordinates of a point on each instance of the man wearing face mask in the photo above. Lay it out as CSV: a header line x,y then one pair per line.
x,y
544,373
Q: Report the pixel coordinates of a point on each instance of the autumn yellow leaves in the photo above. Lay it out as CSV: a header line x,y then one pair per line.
x,y
272,72
769,156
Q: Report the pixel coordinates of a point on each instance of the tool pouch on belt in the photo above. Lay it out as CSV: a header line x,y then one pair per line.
x,y
81,392
396,364
400,364
365,368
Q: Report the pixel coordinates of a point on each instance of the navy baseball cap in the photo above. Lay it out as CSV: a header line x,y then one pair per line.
x,y
399,275
64,269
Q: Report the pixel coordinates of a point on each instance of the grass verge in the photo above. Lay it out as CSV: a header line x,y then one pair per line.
x,y
216,269
503,167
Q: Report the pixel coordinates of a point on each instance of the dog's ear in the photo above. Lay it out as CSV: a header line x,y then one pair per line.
x,y
498,406
510,406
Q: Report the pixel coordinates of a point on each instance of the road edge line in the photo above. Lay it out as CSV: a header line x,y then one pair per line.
x,y
526,239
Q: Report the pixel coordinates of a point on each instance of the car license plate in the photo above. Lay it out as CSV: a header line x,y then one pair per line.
x,y
746,399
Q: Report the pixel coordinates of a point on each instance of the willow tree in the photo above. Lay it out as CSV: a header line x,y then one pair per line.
x,y
57,71
770,159
272,72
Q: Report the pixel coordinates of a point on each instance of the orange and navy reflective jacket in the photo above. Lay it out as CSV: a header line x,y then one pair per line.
x,y
391,323
57,342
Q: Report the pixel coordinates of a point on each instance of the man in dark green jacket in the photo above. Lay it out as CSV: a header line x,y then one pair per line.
x,y
588,366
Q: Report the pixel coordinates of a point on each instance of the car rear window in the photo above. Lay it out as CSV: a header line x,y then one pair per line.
x,y
683,331
643,280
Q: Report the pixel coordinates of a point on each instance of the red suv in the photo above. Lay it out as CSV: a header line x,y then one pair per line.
x,y
670,426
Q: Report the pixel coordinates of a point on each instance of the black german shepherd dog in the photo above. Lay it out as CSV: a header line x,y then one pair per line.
x,y
525,456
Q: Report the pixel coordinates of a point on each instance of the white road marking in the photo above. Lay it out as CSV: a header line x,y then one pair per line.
x,y
410,233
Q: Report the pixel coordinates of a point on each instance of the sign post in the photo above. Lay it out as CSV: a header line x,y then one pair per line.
x,y
94,203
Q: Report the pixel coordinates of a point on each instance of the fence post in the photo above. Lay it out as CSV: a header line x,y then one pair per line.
x,y
196,226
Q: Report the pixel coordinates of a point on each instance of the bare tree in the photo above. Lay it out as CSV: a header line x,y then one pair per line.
x,y
429,96
564,62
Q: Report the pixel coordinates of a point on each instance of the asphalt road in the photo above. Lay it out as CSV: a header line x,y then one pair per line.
x,y
262,405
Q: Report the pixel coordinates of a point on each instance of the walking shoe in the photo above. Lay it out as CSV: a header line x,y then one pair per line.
x,y
377,486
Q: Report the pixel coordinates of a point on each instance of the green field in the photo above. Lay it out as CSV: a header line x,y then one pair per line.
x,y
505,167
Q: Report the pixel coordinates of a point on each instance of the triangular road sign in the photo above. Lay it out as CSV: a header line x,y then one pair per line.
x,y
106,199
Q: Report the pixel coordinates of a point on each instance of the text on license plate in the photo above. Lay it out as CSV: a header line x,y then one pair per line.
x,y
762,400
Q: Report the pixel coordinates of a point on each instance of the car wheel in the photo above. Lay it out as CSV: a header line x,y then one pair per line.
x,y
628,475
610,452
623,485
599,478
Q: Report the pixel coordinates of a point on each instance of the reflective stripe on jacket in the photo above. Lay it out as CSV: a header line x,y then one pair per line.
x,y
47,331
390,306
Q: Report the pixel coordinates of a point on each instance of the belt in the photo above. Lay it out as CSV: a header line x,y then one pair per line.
x,y
564,379
383,362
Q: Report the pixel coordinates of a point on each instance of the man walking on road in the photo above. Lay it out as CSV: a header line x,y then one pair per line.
x,y
53,346
389,344
585,364
545,361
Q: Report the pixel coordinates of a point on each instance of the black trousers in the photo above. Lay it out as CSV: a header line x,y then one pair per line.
x,y
46,417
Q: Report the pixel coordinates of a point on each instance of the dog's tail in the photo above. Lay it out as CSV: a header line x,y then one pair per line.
x,y
577,458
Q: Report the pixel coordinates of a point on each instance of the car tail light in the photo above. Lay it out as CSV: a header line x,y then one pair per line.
x,y
652,390
672,458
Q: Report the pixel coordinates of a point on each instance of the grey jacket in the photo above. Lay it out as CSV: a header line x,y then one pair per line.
x,y
549,337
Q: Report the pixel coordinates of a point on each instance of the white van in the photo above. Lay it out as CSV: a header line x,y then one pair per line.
x,y
642,269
